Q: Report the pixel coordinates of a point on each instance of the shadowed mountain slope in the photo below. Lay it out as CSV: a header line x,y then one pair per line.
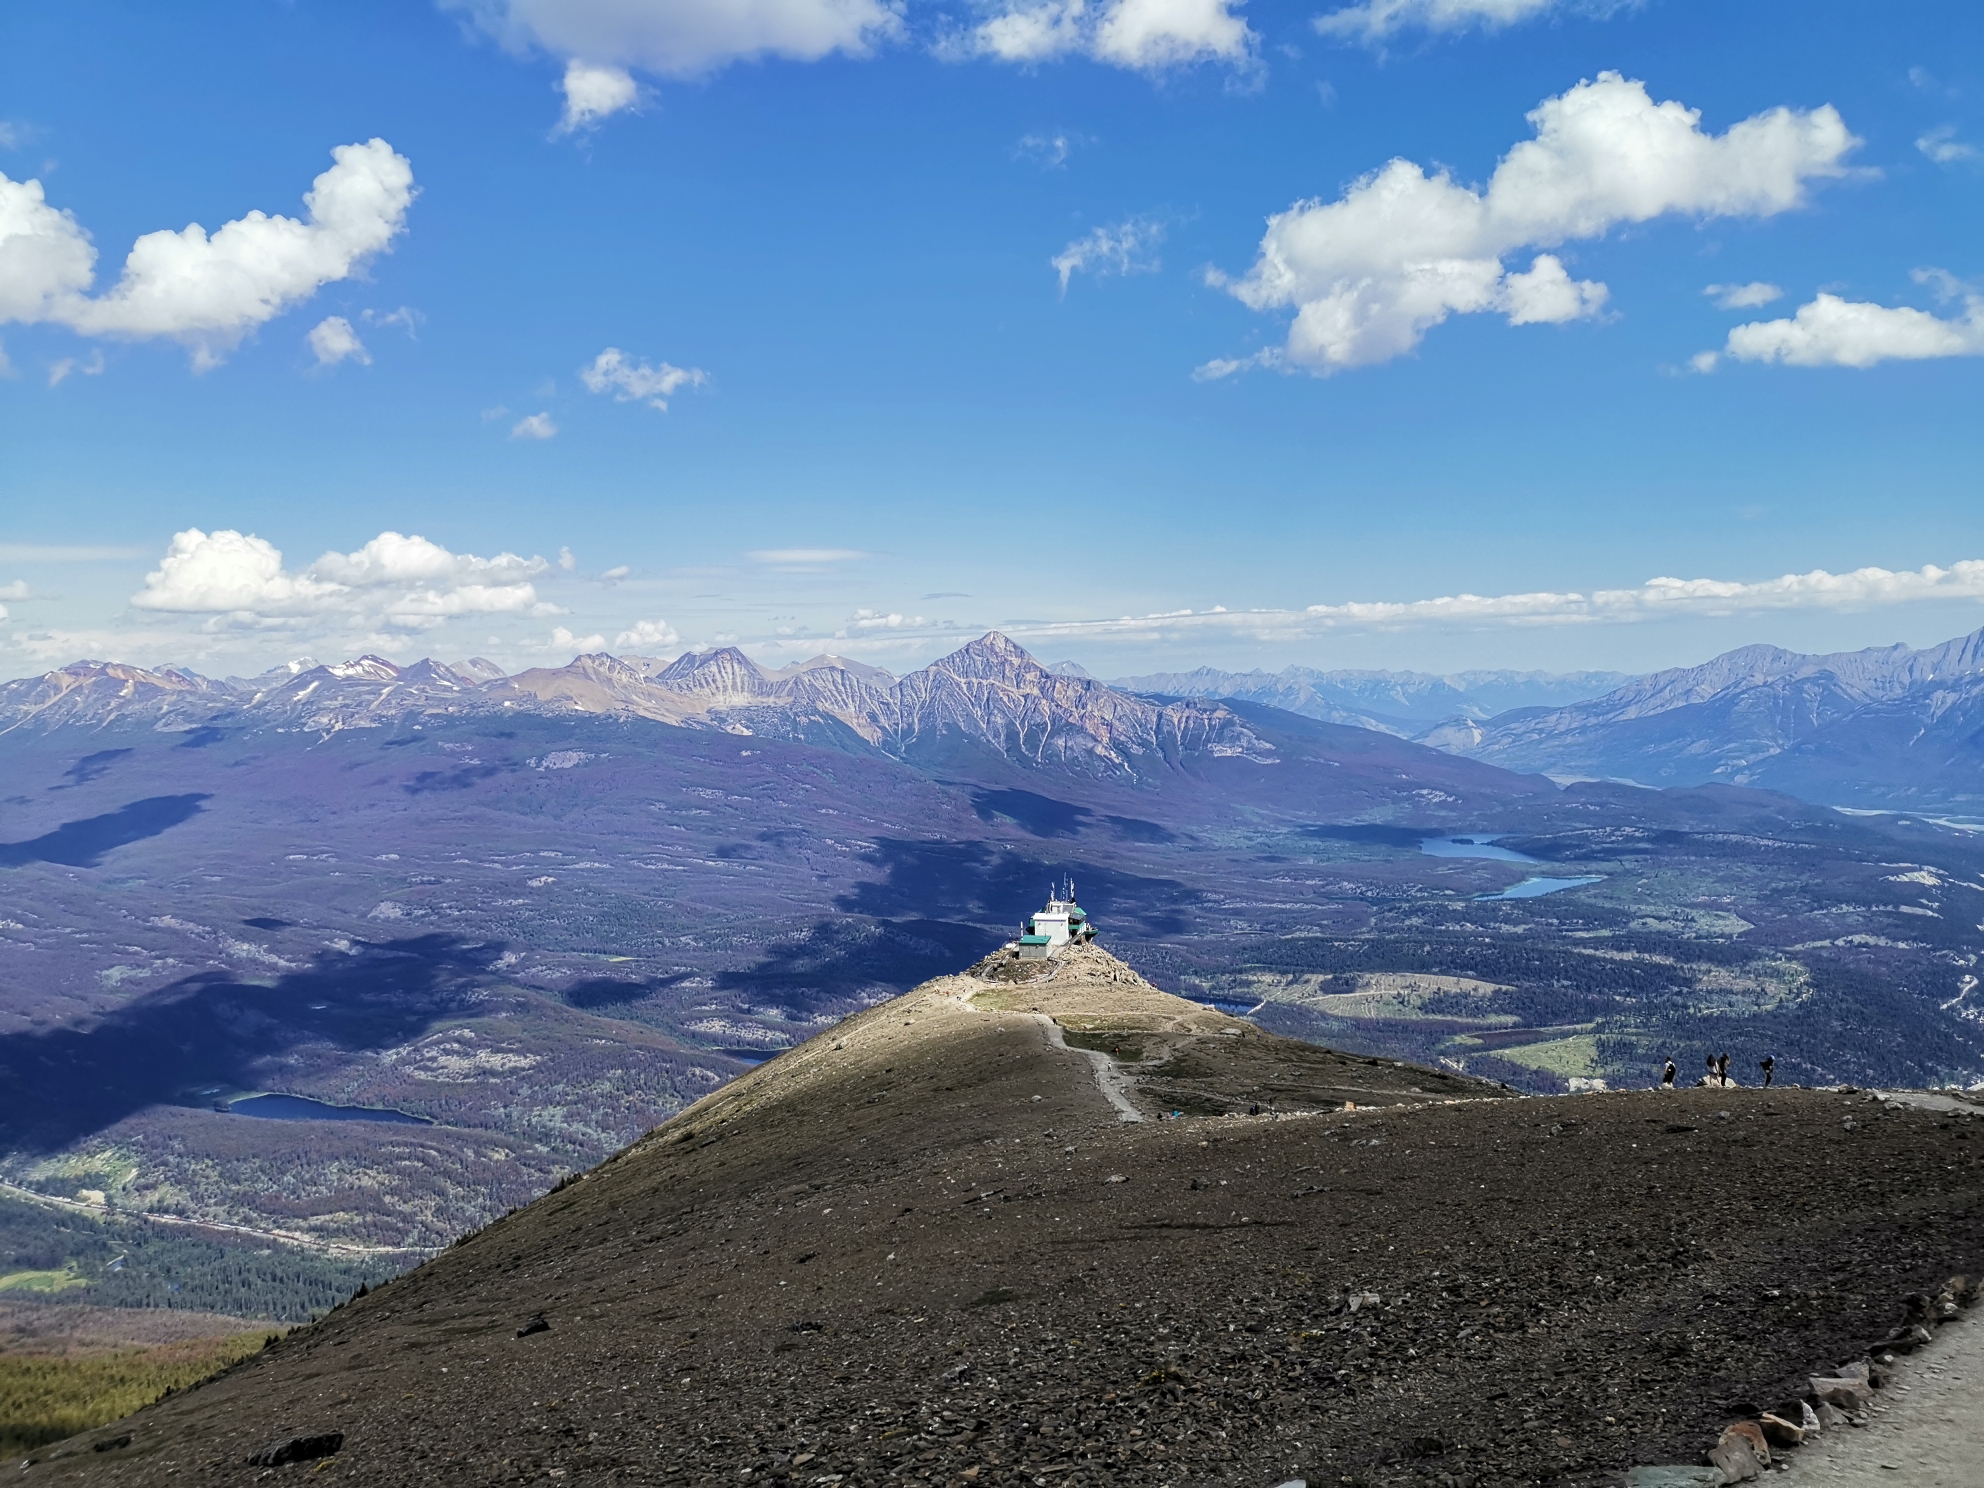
x,y
930,1246
1885,727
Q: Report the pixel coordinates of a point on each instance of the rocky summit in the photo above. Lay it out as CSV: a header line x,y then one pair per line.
x,y
1042,1223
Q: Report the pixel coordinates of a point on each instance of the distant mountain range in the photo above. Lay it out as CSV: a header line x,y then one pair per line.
x,y
988,697
1885,728
1402,703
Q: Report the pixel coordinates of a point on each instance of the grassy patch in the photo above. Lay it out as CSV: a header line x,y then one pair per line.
x,y
41,1281
1127,1047
1190,1102
1577,1055
44,1400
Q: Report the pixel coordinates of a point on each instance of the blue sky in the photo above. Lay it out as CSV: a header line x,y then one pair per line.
x,y
1277,391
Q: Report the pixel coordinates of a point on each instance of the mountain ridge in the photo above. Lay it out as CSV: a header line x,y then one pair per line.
x,y
1884,726
1404,703
989,694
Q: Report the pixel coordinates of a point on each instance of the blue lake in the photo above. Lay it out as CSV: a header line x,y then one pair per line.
x,y
302,1108
1536,888
1239,1008
749,1056
1471,847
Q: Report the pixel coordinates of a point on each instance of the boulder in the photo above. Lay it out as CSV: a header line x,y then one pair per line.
x,y
1780,1432
1735,1460
298,1449
1752,1433
1827,1414
1809,1418
1843,1394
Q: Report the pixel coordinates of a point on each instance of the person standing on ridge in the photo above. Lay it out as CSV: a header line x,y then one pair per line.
x,y
1722,1070
1668,1075
1768,1064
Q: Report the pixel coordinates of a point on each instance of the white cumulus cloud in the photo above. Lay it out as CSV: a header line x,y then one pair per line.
x,y
1145,35
648,634
1371,272
564,640
1861,589
685,38
334,341
204,290
1835,332
89,366
629,381
1743,296
1942,146
394,581
594,93
1375,20
534,426
1125,248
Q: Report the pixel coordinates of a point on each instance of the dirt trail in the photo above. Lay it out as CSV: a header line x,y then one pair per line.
x,y
1927,1429
1109,1079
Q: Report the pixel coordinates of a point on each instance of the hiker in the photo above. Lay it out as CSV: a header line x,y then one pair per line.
x,y
1768,1064
1709,1078
1722,1070
1668,1076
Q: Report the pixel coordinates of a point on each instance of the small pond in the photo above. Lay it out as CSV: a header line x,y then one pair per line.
x,y
1471,847
1536,888
1239,1007
748,1056
302,1108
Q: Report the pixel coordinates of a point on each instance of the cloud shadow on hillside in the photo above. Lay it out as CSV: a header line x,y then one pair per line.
x,y
210,1030
82,844
845,958
1043,816
980,883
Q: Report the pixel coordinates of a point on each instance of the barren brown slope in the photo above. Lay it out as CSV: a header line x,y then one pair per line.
x,y
925,1248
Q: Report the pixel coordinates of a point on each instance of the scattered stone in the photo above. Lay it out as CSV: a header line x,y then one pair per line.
x,y
1849,1394
1752,1433
534,1324
1116,1178
1780,1432
1827,1415
1736,1459
298,1449
111,1443
1810,1421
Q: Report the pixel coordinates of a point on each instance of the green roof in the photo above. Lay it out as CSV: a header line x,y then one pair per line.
x,y
1036,940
